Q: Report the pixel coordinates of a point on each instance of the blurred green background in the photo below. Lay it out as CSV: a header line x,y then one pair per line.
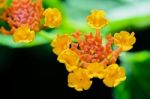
x,y
32,68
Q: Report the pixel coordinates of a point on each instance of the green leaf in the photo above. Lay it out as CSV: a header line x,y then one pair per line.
x,y
137,67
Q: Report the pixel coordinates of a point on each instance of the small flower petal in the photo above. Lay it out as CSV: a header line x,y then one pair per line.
x,y
3,3
95,70
97,19
79,80
52,17
70,58
60,43
114,75
124,40
23,34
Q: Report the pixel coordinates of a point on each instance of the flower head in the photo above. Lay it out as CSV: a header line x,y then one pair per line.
x,y
24,12
124,40
23,34
79,80
27,12
97,19
89,54
114,75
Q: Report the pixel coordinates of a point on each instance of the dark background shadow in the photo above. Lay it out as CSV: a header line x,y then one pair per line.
x,y
35,72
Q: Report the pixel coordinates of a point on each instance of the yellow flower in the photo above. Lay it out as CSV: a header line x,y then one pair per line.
x,y
52,17
95,70
97,19
79,80
60,43
86,57
114,75
3,3
124,40
23,34
70,58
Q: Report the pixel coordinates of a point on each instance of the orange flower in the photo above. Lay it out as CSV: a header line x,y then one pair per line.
x,y
90,57
31,13
24,12
90,48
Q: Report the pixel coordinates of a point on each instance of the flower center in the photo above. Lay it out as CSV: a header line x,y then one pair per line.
x,y
24,12
90,49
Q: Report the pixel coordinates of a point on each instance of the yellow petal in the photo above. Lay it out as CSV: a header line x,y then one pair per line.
x,y
52,17
79,80
97,19
108,82
3,3
70,58
124,40
23,34
114,75
95,70
60,43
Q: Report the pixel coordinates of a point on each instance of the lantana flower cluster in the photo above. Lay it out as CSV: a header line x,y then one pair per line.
x,y
25,17
87,57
